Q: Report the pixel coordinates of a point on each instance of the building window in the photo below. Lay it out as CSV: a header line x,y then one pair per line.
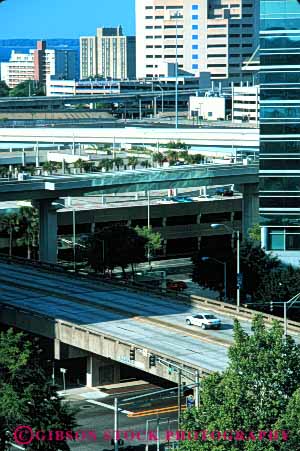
x,y
276,240
195,66
195,7
195,17
195,46
194,27
195,37
194,57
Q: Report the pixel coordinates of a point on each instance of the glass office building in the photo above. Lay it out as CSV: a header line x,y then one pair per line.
x,y
280,127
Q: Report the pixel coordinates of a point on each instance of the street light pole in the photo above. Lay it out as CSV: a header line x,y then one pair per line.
x,y
74,239
176,16
238,292
179,397
116,426
238,268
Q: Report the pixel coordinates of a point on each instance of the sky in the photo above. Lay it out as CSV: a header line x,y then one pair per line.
x,y
40,19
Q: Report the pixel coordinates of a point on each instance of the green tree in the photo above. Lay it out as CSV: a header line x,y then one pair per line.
x,y
172,157
115,246
26,395
158,158
252,393
10,224
254,233
49,166
133,162
27,88
4,89
177,145
118,162
256,266
29,229
289,421
153,240
145,164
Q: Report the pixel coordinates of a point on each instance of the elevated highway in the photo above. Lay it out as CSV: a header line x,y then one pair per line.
x,y
103,322
59,101
45,190
227,138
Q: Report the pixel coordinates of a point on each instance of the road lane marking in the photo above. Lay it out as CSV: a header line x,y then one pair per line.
x,y
108,406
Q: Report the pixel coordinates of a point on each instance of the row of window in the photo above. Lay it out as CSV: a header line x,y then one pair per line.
x,y
286,239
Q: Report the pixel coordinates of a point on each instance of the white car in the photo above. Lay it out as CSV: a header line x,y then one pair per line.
x,y
204,320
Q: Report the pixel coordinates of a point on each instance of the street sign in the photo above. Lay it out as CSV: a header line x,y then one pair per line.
x,y
63,370
239,280
190,402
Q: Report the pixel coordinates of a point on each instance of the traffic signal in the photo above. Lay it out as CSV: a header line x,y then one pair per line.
x,y
132,354
187,391
271,306
152,360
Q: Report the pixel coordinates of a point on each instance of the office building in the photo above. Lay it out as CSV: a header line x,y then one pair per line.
x,y
280,128
38,64
109,54
207,35
245,104
88,56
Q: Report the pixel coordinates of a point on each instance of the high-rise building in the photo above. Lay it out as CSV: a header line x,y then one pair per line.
x,y
109,54
88,56
38,64
210,35
280,128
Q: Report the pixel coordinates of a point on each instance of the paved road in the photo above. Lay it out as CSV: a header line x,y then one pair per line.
x,y
118,312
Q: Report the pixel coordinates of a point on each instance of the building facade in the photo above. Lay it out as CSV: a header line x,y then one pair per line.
x,y
209,35
88,56
280,128
38,64
109,54
245,104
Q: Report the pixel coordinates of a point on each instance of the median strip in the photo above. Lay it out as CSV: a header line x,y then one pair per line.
x,y
145,413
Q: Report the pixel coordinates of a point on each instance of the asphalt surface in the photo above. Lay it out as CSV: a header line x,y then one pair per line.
x,y
119,312
100,420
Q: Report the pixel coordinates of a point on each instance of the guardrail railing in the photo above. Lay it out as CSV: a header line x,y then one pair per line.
x,y
197,301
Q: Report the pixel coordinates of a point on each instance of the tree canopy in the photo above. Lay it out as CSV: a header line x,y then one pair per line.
x,y
114,246
259,391
4,89
265,278
27,396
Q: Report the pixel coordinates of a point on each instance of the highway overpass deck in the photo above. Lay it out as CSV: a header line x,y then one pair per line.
x,y
33,299
234,137
51,187
44,190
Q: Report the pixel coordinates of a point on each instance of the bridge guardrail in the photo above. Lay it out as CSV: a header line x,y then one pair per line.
x,y
197,301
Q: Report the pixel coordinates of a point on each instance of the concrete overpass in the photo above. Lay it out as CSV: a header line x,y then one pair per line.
x,y
102,322
44,190
225,138
36,102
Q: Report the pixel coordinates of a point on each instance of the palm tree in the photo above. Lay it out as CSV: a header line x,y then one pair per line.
x,y
79,164
49,166
118,162
158,158
10,223
29,220
145,164
133,162
172,156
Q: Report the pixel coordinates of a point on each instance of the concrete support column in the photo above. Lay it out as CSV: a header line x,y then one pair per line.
x,y
37,156
48,230
92,371
264,237
250,206
101,371
93,227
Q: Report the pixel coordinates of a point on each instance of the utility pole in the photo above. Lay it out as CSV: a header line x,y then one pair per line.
x,y
179,397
